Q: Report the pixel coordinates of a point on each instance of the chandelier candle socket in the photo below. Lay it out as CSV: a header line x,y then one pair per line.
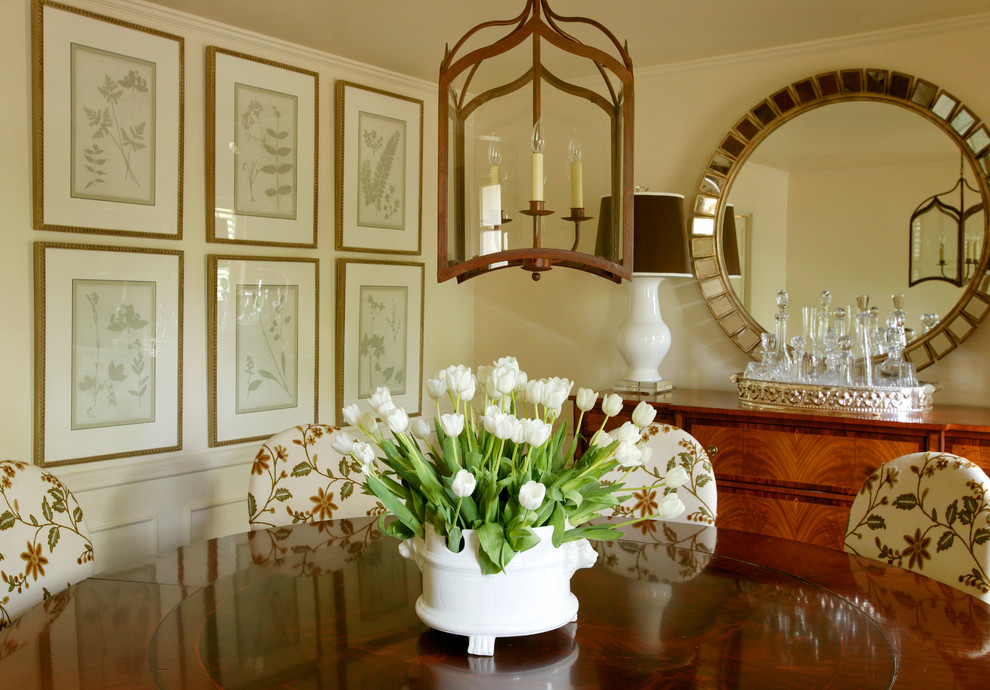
x,y
498,494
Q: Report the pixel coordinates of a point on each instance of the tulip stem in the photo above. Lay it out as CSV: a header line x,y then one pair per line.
x,y
573,447
639,519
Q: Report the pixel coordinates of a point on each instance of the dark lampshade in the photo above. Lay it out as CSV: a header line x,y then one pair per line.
x,y
660,238
730,245
659,235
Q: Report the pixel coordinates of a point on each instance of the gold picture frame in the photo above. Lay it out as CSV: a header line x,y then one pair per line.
x,y
262,150
108,124
379,171
380,326
264,346
108,355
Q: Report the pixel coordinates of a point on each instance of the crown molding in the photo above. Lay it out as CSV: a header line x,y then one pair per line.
x,y
941,26
182,23
110,473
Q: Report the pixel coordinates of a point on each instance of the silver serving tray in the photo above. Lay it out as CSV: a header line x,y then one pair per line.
x,y
849,399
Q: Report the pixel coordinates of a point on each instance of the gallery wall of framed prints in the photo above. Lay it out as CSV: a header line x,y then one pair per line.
x,y
110,129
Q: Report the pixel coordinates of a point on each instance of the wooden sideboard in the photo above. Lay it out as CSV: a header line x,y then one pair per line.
x,y
794,473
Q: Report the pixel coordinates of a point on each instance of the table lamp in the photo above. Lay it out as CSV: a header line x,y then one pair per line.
x,y
659,251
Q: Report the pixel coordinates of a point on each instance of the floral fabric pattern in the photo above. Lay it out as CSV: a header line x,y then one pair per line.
x,y
297,476
313,549
678,553
38,516
927,512
670,447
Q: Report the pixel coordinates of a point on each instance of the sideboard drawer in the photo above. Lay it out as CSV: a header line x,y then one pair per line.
x,y
792,458
792,473
778,515
970,446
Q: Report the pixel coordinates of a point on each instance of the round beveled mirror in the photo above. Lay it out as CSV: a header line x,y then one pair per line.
x,y
826,201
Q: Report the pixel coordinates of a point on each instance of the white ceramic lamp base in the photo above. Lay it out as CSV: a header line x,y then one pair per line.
x,y
644,339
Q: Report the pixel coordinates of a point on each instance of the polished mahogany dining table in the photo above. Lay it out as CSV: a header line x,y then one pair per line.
x,y
332,605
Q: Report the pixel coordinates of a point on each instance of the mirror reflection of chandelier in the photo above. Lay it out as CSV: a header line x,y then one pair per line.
x,y
535,127
941,247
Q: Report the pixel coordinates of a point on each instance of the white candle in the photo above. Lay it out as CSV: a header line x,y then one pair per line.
x,y
577,194
577,184
537,165
494,161
536,193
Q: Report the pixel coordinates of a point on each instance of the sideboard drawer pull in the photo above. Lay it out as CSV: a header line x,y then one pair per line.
x,y
712,451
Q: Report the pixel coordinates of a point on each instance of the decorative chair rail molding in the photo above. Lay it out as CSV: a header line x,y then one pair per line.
x,y
151,467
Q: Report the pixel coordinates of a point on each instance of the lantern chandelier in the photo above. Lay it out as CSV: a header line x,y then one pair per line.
x,y
516,164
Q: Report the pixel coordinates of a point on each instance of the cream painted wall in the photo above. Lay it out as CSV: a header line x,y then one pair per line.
x,y
762,193
137,506
863,242
565,324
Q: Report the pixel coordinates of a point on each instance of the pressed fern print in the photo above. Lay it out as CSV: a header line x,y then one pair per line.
x,y
381,171
113,126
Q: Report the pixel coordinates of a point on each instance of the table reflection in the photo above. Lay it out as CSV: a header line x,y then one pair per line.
x,y
333,605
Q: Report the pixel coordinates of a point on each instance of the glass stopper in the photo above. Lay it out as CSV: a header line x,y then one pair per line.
x,y
782,300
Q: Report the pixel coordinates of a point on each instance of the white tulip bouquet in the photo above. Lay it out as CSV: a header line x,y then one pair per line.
x,y
499,463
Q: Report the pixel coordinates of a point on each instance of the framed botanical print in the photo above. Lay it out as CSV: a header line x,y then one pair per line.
x,y
262,149
108,355
264,346
379,170
108,105
379,332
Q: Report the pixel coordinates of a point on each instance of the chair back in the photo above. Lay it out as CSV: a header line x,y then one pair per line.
x,y
45,544
670,447
297,476
926,512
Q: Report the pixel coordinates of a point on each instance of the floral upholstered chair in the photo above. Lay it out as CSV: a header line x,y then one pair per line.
x,y
45,545
297,476
926,512
670,447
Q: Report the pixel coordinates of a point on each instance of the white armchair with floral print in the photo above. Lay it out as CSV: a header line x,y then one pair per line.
x,y
45,545
297,476
927,512
670,447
